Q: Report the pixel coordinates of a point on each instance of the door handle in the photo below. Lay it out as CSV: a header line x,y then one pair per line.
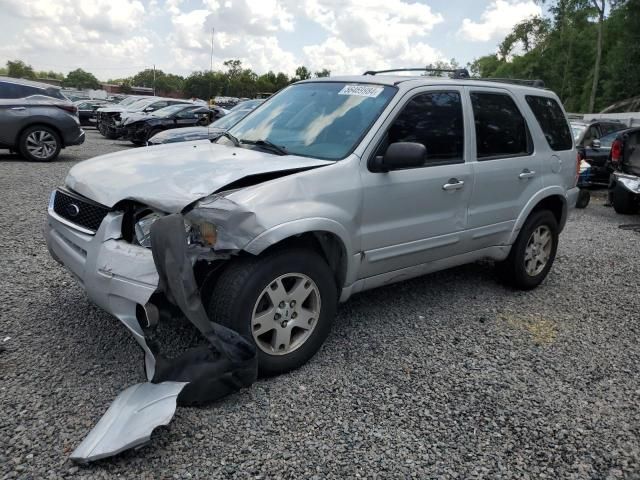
x,y
453,184
526,173
18,108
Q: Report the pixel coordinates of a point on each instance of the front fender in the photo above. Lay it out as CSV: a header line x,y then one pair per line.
x,y
534,201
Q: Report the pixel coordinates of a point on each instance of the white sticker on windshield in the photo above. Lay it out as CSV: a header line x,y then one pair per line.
x,y
361,90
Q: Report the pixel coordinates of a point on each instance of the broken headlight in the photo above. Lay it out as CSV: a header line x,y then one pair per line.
x,y
143,229
201,233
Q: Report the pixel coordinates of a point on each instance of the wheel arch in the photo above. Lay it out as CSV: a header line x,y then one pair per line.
x,y
552,199
39,123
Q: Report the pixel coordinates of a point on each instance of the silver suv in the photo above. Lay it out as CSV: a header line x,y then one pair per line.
x,y
331,187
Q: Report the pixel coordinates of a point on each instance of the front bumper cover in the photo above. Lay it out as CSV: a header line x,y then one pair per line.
x,y
121,278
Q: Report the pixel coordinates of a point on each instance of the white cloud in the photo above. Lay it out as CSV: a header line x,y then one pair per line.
x,y
498,19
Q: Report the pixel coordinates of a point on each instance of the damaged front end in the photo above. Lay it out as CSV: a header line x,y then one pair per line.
x,y
224,363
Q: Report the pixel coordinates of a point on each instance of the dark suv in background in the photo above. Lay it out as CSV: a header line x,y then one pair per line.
x,y
36,119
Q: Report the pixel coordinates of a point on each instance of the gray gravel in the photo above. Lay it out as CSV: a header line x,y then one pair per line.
x,y
447,376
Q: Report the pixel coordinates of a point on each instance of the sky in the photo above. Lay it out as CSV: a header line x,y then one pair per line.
x,y
117,38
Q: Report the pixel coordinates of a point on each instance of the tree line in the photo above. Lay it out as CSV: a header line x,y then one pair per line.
x,y
236,81
587,51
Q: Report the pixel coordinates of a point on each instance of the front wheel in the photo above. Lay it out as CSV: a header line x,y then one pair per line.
x,y
533,253
284,303
583,198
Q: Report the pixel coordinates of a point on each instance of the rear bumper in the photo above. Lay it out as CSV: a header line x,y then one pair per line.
x,y
629,182
77,138
116,275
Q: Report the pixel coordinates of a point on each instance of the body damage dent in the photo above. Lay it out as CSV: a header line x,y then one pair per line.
x,y
223,364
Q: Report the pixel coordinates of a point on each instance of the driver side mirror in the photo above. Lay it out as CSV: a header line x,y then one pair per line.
x,y
401,155
595,144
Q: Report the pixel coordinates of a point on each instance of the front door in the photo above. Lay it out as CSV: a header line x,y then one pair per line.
x,y
418,215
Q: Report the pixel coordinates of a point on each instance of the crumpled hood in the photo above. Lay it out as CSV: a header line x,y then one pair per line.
x,y
170,177
128,118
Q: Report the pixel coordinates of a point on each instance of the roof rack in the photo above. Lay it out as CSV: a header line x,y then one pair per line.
x,y
516,81
456,73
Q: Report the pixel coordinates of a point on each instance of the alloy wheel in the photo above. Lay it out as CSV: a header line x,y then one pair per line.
x,y
41,144
285,314
538,250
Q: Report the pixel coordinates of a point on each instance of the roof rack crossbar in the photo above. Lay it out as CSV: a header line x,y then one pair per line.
x,y
457,73
516,81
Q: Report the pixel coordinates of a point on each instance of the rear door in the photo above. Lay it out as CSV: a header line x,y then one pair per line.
x,y
507,170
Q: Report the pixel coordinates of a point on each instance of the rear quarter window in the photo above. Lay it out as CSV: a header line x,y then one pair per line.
x,y
552,122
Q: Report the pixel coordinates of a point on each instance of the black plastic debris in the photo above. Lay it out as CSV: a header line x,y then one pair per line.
x,y
634,227
227,361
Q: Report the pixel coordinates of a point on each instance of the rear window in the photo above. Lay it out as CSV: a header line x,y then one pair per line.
x,y
552,122
501,130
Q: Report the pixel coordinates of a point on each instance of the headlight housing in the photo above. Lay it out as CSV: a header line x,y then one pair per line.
x,y
198,232
143,229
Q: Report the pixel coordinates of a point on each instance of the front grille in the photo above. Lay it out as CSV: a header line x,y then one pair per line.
x,y
78,210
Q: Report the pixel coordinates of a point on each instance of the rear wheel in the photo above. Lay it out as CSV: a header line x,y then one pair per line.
x,y
624,202
284,303
584,197
39,144
533,253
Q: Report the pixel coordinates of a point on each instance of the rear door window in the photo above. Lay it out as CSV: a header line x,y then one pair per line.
x,y
11,90
501,130
552,122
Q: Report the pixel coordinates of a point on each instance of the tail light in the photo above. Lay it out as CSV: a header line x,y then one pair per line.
x,y
578,162
616,152
72,109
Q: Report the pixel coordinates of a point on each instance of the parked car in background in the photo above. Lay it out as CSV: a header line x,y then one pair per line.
x,y
212,132
110,118
39,124
139,129
19,88
624,190
87,111
332,187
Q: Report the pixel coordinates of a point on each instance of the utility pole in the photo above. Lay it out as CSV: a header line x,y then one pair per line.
x,y
211,68
154,79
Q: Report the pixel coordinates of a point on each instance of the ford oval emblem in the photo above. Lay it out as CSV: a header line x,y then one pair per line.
x,y
73,210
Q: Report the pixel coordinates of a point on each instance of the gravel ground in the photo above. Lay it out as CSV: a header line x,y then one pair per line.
x,y
446,376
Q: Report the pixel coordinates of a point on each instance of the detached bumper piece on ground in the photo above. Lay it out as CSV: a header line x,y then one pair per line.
x,y
223,365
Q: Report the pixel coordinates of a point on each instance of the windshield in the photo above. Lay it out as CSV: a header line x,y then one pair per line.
x,y
247,105
607,140
128,101
140,104
170,110
321,120
577,129
230,119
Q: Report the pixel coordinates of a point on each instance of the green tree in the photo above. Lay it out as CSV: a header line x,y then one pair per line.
x,y
323,73
80,79
302,73
19,69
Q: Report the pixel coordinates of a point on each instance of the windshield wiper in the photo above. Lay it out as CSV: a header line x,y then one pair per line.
x,y
233,139
267,145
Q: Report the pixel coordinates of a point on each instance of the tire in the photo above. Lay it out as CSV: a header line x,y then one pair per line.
x,y
39,143
624,202
583,199
513,270
244,289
